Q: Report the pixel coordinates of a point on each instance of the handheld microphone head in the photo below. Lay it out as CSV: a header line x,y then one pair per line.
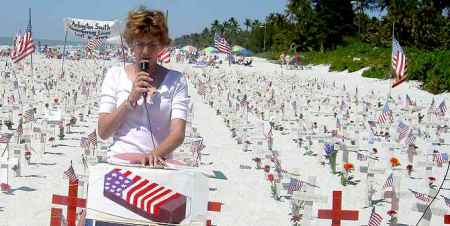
x,y
144,66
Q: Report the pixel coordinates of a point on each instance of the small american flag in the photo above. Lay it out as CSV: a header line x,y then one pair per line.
x,y
411,139
70,173
92,138
441,108
328,148
28,115
93,43
389,181
201,89
375,219
398,62
164,55
402,130
421,196
446,200
294,185
361,157
385,115
408,101
440,158
432,106
4,139
221,44
84,142
24,45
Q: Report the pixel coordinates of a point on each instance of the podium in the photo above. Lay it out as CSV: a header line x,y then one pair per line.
x,y
109,209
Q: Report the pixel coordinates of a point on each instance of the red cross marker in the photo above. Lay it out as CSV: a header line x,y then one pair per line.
x,y
72,202
447,219
336,214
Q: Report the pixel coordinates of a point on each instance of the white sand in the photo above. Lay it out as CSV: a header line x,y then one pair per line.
x,y
246,194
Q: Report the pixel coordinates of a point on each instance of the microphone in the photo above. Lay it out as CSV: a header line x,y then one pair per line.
x,y
144,65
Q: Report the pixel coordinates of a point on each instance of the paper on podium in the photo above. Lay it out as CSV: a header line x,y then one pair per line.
x,y
190,183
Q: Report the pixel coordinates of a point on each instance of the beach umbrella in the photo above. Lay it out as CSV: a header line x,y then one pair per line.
x,y
245,52
210,50
237,49
189,49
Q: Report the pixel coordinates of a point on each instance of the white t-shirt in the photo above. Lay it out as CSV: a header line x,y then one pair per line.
x,y
134,136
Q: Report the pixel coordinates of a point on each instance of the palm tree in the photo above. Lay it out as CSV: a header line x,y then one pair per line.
x,y
216,27
247,23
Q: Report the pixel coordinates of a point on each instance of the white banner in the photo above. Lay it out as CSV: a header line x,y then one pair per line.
x,y
89,28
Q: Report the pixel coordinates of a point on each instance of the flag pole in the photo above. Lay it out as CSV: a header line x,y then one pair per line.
x,y
64,50
390,85
31,59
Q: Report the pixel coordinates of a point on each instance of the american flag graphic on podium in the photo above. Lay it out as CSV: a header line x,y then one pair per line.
x,y
143,197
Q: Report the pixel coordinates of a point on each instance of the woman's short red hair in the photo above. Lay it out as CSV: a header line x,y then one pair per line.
x,y
142,22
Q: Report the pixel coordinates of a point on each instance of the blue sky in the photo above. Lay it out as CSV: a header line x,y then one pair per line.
x,y
185,16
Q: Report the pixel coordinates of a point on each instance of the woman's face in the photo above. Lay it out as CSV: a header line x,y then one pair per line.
x,y
146,48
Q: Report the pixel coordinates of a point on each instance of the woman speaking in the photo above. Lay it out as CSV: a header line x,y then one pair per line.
x,y
143,105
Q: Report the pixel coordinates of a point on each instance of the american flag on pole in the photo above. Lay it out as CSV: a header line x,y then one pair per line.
x,y
24,45
70,173
440,158
411,139
94,43
408,101
164,55
84,142
421,196
221,44
92,138
441,108
201,89
402,130
4,138
385,115
28,115
144,197
446,200
389,181
398,62
375,219
294,185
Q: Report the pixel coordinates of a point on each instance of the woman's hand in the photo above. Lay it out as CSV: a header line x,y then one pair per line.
x,y
153,159
141,84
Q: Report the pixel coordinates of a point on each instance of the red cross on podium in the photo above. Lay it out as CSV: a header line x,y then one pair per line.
x,y
336,214
71,201
447,219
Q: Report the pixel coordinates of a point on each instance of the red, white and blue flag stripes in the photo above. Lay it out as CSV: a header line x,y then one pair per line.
x,y
440,158
385,115
221,44
398,62
294,185
402,130
389,181
375,219
421,196
94,43
70,173
164,55
24,46
144,197
446,200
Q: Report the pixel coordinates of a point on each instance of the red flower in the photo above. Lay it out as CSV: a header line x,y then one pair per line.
x,y
270,177
56,100
431,179
267,168
296,218
394,161
257,159
391,213
348,166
